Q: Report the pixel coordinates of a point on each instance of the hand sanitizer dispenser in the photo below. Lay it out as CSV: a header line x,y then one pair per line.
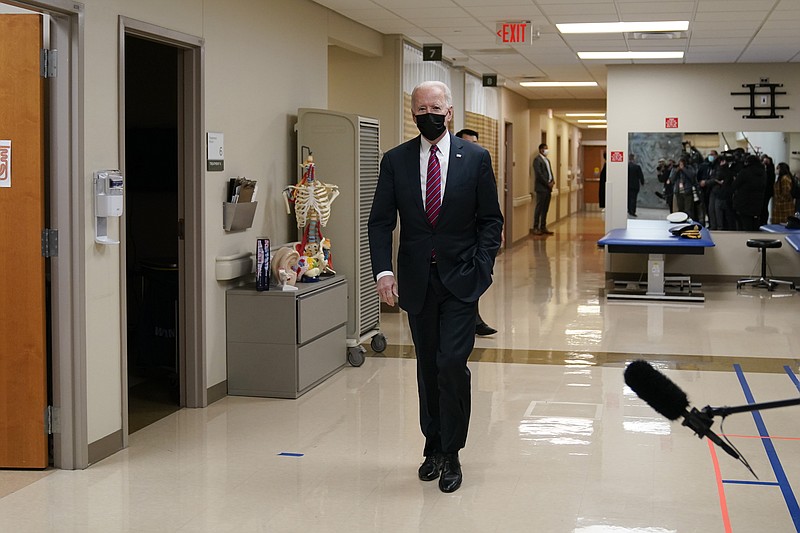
x,y
108,196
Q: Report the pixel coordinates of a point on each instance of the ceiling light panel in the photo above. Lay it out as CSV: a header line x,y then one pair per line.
x,y
676,54
623,27
558,84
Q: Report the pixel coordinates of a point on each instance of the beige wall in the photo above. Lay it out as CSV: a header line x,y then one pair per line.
x,y
259,69
514,110
369,86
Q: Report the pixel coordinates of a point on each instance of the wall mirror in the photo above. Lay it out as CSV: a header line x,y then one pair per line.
x,y
649,147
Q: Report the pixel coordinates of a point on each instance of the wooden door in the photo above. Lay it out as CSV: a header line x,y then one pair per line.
x,y
592,163
23,359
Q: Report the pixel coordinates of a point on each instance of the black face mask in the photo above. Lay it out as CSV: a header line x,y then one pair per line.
x,y
430,125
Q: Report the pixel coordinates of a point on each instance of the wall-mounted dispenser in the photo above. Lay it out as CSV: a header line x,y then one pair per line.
x,y
108,199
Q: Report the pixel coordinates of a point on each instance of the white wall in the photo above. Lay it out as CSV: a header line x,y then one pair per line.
x,y
264,59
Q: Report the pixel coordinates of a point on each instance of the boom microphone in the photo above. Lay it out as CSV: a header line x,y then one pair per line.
x,y
668,399
656,389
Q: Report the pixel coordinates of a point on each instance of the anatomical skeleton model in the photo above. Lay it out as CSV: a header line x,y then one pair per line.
x,y
312,201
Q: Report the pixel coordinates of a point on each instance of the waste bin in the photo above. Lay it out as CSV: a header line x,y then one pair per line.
x,y
157,328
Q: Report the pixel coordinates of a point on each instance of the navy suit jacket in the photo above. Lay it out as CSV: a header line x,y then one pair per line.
x,y
467,234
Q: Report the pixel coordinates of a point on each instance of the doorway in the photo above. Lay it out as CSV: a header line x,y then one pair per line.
x,y
152,184
592,165
508,184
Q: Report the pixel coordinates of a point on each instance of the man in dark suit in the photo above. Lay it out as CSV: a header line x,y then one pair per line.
x,y
635,181
481,327
451,223
543,182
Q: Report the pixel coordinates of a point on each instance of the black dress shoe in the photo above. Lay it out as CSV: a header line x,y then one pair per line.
x,y
484,329
546,231
431,467
451,477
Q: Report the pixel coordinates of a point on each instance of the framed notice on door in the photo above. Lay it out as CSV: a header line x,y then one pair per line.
x,y
5,163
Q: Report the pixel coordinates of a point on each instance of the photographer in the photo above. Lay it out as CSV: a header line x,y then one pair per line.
x,y
685,187
721,201
705,174
663,172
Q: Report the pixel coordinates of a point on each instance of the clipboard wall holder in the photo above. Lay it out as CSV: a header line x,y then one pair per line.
x,y
238,216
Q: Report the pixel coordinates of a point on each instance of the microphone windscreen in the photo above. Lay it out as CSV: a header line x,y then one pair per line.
x,y
656,389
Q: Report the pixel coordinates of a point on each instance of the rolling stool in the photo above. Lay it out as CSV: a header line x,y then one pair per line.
x,y
763,281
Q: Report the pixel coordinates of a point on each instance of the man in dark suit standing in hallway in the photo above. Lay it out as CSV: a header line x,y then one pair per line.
x,y
444,190
543,182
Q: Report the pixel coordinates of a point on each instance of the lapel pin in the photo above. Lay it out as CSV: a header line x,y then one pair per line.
x,y
458,155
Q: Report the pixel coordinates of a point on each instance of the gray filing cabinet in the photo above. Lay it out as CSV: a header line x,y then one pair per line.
x,y
282,343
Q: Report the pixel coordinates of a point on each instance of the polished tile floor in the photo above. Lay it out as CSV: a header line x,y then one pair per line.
x,y
557,442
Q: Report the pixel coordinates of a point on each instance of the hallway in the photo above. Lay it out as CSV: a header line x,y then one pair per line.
x,y
557,442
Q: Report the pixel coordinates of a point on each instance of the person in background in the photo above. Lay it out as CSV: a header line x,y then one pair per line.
x,y
664,170
635,181
769,184
722,196
481,328
748,194
685,186
543,182
444,192
782,200
705,173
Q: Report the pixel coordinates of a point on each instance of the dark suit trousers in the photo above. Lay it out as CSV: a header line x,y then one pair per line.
x,y
444,335
540,210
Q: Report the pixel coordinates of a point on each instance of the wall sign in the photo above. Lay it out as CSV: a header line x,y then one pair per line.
x,y
762,99
490,80
215,158
671,122
5,163
431,52
617,157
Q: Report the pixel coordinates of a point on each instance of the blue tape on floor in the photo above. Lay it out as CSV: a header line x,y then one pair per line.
x,y
780,475
792,376
743,482
290,454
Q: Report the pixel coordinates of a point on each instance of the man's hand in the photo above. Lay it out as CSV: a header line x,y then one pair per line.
x,y
387,289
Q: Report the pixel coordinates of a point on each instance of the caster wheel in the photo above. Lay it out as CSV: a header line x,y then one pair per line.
x,y
355,356
378,343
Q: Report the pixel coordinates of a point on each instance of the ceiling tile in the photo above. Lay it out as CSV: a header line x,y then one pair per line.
x,y
720,31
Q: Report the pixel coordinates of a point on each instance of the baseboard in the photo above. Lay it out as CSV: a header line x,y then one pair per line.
x,y
217,392
105,447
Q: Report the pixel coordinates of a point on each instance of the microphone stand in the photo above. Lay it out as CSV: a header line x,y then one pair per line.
x,y
725,411
700,422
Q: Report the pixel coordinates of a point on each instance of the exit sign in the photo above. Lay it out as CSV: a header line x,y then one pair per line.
x,y
514,32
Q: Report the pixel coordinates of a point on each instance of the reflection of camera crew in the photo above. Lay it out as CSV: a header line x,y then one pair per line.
x,y
663,172
721,214
748,193
685,187
705,173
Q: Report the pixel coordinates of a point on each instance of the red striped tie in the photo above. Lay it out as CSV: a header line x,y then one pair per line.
x,y
433,188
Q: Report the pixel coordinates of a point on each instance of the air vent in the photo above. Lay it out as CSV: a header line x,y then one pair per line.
x,y
655,35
